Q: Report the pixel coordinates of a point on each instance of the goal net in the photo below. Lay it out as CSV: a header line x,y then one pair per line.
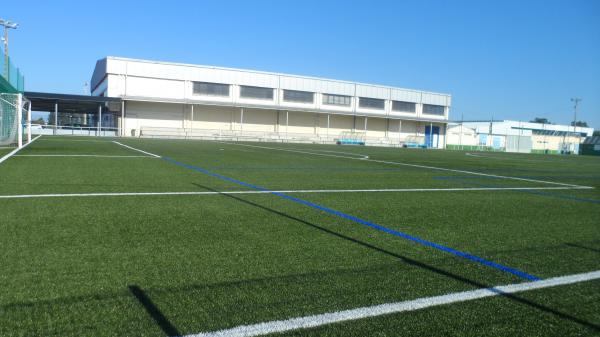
x,y
11,114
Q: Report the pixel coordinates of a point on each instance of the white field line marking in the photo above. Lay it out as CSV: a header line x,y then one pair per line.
x,y
12,153
473,155
348,153
76,140
416,165
390,308
389,190
507,158
78,155
134,149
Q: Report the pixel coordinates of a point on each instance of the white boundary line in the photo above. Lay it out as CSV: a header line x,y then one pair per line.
x,y
138,150
79,155
389,190
12,153
358,155
473,155
390,308
66,138
412,165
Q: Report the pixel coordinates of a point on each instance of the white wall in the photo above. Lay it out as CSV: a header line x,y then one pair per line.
x,y
151,114
161,81
462,135
140,115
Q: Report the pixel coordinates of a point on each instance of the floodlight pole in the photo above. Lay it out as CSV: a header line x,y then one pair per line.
x,y
6,66
7,25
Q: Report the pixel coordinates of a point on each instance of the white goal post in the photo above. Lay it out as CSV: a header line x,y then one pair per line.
x,y
12,111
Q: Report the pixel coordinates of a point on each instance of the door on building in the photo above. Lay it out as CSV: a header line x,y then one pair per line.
x,y
432,136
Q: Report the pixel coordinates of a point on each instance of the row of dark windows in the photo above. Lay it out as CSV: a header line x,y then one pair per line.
x,y
256,92
431,109
211,89
222,90
298,96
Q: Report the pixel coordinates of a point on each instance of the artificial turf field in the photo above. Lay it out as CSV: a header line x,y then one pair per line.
x,y
160,264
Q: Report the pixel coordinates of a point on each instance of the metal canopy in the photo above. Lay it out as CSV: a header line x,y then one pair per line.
x,y
43,101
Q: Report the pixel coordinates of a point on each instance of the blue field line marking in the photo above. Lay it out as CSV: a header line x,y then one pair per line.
x,y
423,242
300,168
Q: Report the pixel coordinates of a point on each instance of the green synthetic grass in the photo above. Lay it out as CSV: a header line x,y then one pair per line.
x,y
4,151
217,261
569,311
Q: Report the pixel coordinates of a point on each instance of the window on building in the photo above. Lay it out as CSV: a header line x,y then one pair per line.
x,y
256,92
433,109
211,89
298,96
403,106
340,100
371,103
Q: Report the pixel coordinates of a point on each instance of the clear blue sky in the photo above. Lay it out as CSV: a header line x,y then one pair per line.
x,y
512,59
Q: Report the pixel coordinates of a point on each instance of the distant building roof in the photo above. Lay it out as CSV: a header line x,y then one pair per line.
x,y
592,140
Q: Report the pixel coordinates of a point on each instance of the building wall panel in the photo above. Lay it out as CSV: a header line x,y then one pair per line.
x,y
260,120
156,70
340,123
302,122
213,117
151,114
372,91
154,88
405,96
435,99
376,127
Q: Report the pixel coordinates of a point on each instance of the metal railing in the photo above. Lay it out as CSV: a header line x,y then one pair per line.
x,y
257,136
37,129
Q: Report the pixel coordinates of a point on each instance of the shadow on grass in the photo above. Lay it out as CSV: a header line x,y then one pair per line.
x,y
582,247
415,263
153,311
171,330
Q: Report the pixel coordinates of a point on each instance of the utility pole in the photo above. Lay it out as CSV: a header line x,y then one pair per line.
x,y
462,120
7,25
575,101
491,131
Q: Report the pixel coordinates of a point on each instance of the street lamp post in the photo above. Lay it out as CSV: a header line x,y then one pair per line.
x,y
7,25
576,103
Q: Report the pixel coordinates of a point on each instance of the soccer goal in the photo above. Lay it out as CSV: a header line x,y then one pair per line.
x,y
13,109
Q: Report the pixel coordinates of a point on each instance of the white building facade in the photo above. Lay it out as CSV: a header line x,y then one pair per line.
x,y
516,136
162,99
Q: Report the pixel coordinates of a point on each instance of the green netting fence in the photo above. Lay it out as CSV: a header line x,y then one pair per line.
x,y
11,78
